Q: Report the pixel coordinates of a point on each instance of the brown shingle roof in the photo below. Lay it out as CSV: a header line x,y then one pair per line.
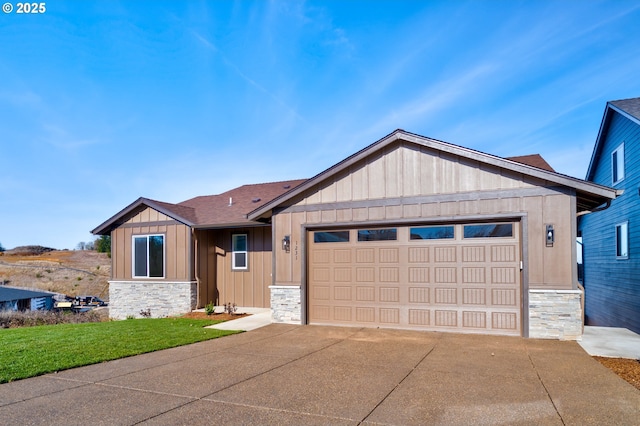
x,y
215,210
534,160
630,106
207,211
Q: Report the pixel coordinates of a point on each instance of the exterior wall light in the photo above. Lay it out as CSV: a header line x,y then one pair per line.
x,y
550,236
286,243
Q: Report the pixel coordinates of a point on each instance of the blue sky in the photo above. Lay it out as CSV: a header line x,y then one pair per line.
x,y
102,102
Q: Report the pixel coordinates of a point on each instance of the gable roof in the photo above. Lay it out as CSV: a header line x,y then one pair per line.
x,y
629,108
8,294
208,211
589,195
534,160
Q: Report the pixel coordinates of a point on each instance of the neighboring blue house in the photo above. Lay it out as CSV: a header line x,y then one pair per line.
x,y
611,237
20,299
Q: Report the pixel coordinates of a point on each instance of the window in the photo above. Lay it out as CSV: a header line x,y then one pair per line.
x,y
622,240
148,256
390,234
331,237
617,164
489,230
431,233
239,258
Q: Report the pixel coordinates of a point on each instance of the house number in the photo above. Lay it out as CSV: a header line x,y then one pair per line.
x,y
296,250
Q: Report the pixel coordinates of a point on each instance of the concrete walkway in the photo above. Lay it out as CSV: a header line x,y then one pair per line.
x,y
288,374
259,317
611,342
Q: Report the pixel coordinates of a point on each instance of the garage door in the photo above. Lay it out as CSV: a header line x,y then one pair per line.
x,y
453,277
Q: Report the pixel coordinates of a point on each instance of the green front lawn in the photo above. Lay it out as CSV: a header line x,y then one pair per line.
x,y
32,351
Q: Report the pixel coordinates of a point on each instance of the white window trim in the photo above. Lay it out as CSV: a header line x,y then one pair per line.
x,y
234,251
619,165
624,228
133,256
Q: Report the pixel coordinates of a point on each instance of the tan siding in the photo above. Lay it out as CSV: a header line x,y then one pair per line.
x,y
219,283
328,193
176,247
376,178
343,188
148,215
393,175
283,261
535,249
359,179
296,246
557,260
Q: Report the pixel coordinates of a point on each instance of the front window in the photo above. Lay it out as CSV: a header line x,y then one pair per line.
x,y
239,256
622,240
617,164
148,256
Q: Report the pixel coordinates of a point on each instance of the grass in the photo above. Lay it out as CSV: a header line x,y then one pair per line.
x,y
32,351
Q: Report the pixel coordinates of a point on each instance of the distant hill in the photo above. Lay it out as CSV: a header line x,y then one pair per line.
x,y
29,250
74,273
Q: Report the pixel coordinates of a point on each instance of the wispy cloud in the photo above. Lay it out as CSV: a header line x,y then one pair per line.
x,y
62,139
211,46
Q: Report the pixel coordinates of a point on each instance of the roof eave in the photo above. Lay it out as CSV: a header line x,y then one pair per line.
x,y
106,227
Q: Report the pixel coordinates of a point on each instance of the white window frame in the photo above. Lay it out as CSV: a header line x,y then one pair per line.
x,y
133,255
622,240
234,251
617,164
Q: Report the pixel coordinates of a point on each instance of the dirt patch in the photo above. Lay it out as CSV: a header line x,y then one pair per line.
x,y
74,273
216,317
627,369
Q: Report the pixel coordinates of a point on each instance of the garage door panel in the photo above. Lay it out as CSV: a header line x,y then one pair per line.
x,y
474,296
419,295
365,294
453,284
445,275
473,319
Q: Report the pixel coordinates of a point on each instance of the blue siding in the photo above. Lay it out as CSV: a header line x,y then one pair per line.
x,y
612,286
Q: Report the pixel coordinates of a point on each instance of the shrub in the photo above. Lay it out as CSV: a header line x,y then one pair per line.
x,y
230,308
210,308
14,319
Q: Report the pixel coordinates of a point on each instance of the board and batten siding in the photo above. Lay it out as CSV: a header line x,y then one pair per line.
x,y
410,184
612,286
149,221
219,283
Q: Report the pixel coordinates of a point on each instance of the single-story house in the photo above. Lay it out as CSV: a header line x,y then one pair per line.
x,y
409,232
610,240
21,299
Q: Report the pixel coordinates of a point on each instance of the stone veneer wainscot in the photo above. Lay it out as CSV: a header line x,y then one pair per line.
x,y
163,299
555,314
285,304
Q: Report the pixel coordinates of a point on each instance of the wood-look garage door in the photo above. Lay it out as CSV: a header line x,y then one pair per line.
x,y
458,277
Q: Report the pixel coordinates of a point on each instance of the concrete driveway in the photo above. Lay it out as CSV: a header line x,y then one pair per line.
x,y
286,374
